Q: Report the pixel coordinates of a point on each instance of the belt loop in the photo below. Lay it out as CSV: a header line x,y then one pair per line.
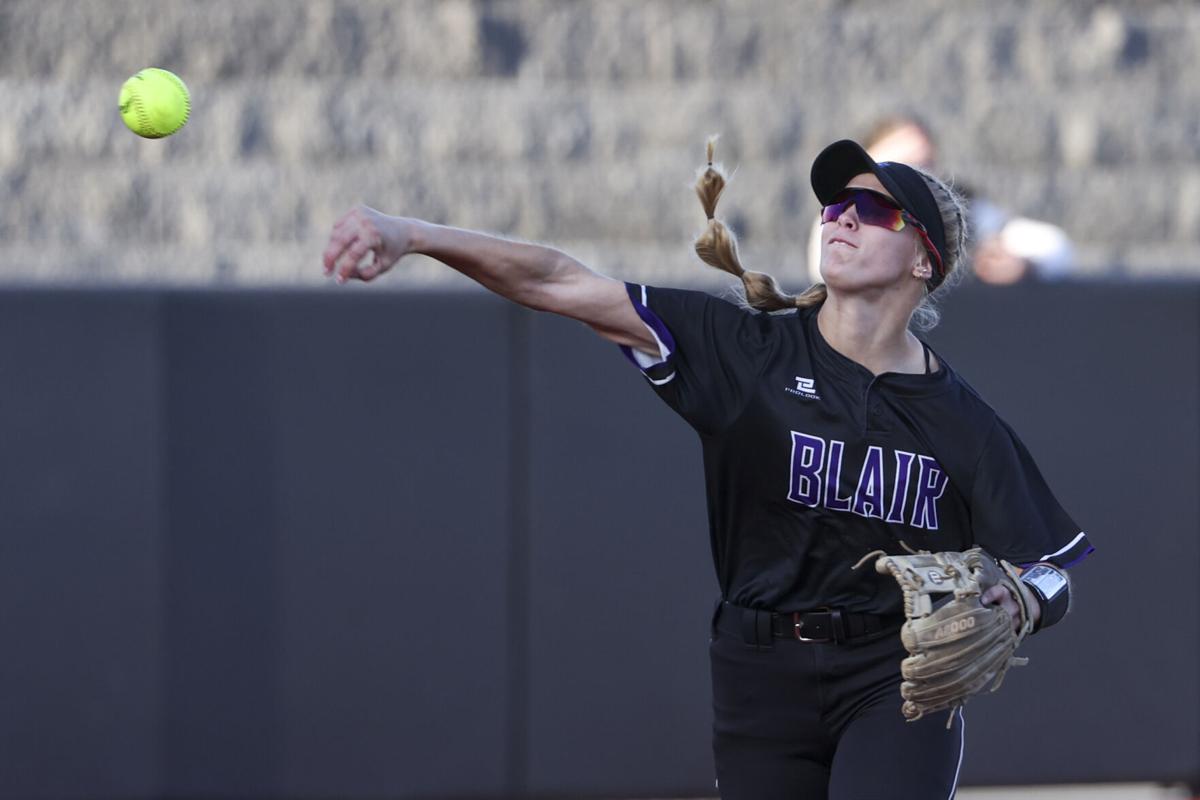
x,y
762,624
749,633
756,628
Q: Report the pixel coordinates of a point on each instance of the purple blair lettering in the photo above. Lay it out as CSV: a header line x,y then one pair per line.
x,y
931,483
900,489
833,471
868,497
808,453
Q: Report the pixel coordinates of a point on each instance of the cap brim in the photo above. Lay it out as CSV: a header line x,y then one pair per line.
x,y
841,161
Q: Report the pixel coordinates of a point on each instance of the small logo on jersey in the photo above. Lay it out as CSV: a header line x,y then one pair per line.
x,y
805,387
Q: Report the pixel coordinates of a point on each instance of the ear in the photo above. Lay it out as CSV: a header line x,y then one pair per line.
x,y
922,268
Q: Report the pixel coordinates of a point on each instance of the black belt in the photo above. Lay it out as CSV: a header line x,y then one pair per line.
x,y
758,627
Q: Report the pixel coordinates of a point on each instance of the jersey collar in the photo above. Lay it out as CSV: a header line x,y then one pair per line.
x,y
903,384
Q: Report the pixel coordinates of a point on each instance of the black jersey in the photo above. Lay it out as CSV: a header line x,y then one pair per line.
x,y
811,461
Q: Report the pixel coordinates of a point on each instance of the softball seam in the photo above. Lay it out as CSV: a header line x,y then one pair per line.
x,y
143,117
151,131
187,99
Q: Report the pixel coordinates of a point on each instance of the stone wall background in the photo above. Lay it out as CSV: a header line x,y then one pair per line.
x,y
575,122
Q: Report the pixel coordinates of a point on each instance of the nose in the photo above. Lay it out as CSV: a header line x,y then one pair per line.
x,y
849,217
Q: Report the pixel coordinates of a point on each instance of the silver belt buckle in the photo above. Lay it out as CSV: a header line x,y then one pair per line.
x,y
798,623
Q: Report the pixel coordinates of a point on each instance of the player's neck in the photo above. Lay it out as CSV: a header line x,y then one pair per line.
x,y
872,333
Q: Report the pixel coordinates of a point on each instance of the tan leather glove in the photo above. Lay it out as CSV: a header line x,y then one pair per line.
x,y
961,647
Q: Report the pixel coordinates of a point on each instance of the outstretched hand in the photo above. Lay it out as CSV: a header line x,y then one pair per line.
x,y
365,244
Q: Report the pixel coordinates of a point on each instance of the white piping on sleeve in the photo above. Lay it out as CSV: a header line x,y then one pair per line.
x,y
1064,548
645,360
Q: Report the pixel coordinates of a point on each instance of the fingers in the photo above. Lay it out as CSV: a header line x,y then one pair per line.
x,y
354,237
994,595
998,595
339,240
347,263
370,270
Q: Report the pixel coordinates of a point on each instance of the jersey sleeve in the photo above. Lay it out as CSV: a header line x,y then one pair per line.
x,y
1014,514
711,353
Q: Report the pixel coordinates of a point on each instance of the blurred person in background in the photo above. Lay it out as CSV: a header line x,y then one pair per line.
x,y
1008,249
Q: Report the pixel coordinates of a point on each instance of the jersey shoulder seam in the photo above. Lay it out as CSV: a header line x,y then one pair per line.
x,y
763,319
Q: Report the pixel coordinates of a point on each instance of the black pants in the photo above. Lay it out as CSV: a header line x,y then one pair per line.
x,y
821,721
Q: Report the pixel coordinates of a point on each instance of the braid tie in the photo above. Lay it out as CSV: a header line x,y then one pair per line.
x,y
711,184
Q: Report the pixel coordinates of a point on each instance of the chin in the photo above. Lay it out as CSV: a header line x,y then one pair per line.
x,y
843,277
856,284
837,274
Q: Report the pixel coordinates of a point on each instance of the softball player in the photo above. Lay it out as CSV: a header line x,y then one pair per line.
x,y
827,433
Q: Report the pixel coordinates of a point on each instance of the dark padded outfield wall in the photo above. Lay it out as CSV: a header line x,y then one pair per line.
x,y
394,461
365,544
621,583
222,594
81,545
338,546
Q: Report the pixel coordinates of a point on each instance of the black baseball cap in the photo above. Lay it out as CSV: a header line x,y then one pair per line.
x,y
842,160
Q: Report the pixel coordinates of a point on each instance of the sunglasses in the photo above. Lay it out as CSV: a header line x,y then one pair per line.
x,y
880,211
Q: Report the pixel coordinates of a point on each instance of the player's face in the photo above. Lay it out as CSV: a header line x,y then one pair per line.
x,y
857,257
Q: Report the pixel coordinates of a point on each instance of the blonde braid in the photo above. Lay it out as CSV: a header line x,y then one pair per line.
x,y
717,247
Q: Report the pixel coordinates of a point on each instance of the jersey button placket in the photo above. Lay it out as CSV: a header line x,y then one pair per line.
x,y
871,409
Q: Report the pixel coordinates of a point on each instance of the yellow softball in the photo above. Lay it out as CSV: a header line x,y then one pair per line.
x,y
155,103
